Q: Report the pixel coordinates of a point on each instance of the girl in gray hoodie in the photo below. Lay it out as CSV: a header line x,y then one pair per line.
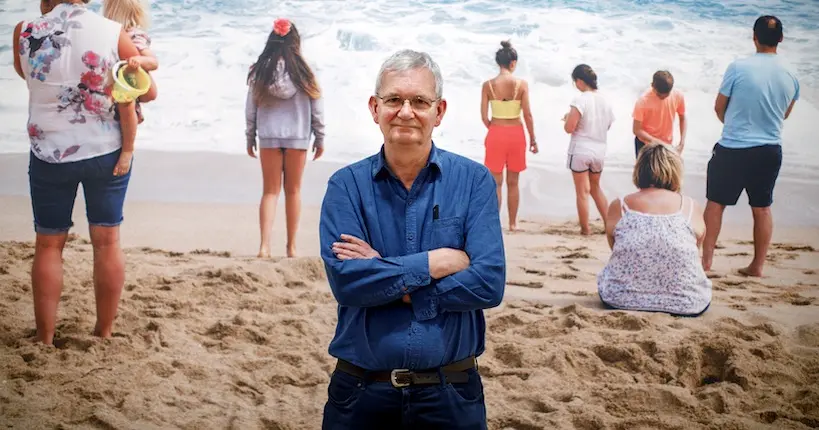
x,y
284,110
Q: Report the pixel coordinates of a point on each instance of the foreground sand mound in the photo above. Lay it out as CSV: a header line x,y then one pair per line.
x,y
208,341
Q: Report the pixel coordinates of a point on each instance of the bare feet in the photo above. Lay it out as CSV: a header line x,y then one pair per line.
x,y
706,262
513,227
103,333
264,253
291,251
585,231
750,271
44,339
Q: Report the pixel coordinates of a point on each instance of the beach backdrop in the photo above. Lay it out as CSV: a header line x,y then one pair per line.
x,y
208,336
206,46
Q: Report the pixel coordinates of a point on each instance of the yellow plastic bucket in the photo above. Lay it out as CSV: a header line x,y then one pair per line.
x,y
128,86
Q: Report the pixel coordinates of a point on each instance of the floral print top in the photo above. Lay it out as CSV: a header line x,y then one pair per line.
x,y
655,264
140,38
67,56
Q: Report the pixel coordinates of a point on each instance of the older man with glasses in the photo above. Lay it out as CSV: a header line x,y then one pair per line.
x,y
412,245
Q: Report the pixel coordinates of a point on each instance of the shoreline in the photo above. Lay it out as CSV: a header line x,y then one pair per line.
x,y
220,178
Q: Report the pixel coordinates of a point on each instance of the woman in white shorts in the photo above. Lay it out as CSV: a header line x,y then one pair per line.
x,y
588,121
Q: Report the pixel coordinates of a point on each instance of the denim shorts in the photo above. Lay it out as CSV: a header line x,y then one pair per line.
x,y
53,188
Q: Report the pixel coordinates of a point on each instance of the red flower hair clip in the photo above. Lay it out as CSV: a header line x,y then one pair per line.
x,y
281,26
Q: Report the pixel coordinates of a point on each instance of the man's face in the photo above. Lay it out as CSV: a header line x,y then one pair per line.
x,y
406,108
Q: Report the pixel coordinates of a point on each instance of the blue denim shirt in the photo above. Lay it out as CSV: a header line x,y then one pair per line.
x,y
451,204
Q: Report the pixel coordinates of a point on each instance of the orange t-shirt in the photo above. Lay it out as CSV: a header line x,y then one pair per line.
x,y
657,116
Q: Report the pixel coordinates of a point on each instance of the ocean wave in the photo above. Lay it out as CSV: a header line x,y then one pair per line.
x,y
205,47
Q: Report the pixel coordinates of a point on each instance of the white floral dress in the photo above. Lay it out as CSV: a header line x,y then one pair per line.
x,y
655,264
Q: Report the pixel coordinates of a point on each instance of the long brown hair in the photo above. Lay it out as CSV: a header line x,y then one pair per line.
x,y
264,72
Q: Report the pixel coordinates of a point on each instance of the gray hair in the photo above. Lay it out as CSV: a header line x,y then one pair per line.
x,y
407,59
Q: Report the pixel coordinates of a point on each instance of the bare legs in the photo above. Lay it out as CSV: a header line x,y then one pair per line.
x,y
109,276
598,196
47,283
272,161
280,166
47,280
294,161
763,232
513,200
586,184
713,224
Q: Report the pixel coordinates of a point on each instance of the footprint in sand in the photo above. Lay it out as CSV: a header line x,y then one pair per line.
x,y
575,256
509,354
533,271
574,293
796,299
792,247
808,335
526,284
74,343
505,322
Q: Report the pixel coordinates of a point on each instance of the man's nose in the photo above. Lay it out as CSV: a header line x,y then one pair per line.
x,y
406,110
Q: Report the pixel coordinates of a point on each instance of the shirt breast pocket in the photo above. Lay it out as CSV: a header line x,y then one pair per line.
x,y
448,233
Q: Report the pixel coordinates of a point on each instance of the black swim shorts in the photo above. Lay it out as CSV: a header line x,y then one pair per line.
x,y
755,170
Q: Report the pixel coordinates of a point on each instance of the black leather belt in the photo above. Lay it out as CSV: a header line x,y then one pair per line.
x,y
454,373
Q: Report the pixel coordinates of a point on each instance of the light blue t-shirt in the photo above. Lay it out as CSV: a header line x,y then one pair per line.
x,y
760,89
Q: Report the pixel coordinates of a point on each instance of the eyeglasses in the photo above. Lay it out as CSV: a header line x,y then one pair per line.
x,y
417,103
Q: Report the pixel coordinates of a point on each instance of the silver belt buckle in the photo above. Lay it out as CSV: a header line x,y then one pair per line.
x,y
394,378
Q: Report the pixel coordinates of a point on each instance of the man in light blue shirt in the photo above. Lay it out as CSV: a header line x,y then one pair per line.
x,y
756,96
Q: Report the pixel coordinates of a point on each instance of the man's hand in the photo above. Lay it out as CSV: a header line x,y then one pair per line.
x,y
317,151
446,261
251,150
680,147
353,248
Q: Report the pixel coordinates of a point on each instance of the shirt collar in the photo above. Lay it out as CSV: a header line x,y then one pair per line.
x,y
380,163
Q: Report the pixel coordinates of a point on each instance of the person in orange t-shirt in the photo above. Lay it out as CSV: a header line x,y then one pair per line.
x,y
654,114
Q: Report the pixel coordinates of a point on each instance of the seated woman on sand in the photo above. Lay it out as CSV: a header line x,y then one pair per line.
x,y
655,236
284,108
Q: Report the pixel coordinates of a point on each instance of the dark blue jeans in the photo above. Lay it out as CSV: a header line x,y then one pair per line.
x,y
354,403
53,188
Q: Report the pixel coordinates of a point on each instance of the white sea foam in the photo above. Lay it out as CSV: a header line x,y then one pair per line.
x,y
206,46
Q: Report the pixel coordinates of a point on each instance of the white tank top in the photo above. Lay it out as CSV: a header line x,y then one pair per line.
x,y
67,56
655,264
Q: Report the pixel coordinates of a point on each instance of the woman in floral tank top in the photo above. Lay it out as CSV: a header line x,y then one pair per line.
x,y
655,236
65,56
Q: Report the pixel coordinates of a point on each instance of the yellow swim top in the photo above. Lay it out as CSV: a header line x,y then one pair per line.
x,y
505,109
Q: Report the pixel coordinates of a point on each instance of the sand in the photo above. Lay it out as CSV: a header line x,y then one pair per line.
x,y
210,337
206,339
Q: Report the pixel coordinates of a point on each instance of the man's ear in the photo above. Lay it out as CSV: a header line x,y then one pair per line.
x,y
441,110
373,105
